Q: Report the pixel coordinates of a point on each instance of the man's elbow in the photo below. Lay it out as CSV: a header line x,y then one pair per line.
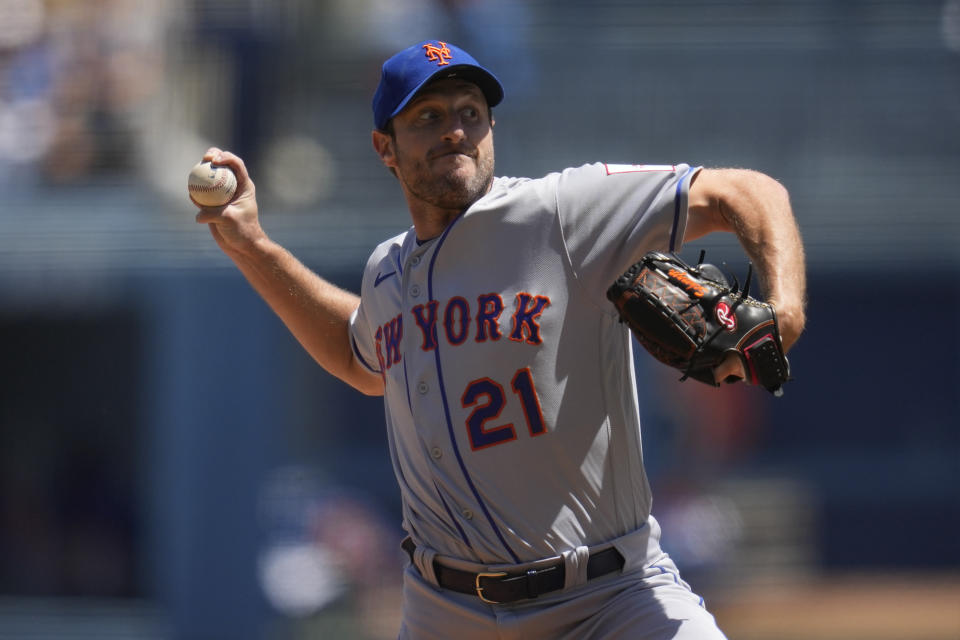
x,y
365,381
374,389
754,184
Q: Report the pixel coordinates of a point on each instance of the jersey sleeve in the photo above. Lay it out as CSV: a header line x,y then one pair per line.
x,y
361,340
611,215
382,264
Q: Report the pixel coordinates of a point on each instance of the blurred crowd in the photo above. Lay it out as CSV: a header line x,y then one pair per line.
x,y
74,77
89,86
853,105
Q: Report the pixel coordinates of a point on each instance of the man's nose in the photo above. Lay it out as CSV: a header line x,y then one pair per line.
x,y
455,130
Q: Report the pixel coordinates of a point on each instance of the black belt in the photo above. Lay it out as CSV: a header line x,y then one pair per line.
x,y
503,587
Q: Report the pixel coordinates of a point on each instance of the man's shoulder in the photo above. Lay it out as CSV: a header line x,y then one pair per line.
x,y
506,186
544,187
396,241
389,247
551,177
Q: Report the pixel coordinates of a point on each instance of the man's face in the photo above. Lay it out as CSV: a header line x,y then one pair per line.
x,y
442,147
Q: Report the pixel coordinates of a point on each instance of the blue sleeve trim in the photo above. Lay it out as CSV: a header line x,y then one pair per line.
x,y
678,200
356,351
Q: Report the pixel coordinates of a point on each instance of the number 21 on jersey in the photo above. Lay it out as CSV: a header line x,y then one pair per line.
x,y
488,398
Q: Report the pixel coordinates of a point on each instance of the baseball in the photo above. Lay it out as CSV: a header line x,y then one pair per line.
x,y
211,185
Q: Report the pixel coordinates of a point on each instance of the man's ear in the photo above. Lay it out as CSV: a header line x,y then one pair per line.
x,y
383,144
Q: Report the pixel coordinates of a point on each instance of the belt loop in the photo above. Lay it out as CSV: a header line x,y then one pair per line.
x,y
423,561
575,564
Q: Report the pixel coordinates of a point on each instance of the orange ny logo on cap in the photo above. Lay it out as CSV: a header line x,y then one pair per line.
x,y
439,54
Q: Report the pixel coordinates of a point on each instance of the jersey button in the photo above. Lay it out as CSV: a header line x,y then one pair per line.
x,y
468,514
423,388
415,291
414,261
436,453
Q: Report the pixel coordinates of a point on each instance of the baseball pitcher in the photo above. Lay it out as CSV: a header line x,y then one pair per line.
x,y
506,372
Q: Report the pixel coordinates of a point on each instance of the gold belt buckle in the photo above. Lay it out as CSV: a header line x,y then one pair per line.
x,y
479,589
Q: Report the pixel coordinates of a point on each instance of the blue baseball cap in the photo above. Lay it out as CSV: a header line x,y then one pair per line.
x,y
407,72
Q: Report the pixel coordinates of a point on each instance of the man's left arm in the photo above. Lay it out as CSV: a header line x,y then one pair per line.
x,y
757,209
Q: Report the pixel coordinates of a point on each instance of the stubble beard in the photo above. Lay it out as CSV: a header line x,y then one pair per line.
x,y
450,190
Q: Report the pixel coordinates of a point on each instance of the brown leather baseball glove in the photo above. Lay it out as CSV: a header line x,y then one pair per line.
x,y
691,318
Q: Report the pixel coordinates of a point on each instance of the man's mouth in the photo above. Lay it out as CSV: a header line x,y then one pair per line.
x,y
452,152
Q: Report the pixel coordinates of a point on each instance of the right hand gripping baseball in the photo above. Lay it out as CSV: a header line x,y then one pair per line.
x,y
236,226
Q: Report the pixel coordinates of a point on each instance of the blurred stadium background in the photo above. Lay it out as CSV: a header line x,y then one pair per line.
x,y
173,466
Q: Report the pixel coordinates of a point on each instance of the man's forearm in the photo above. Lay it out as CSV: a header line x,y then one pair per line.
x,y
759,211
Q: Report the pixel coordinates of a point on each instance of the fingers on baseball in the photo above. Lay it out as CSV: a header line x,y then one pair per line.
x,y
226,158
245,186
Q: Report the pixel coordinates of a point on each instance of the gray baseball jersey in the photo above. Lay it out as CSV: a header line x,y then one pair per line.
x,y
510,398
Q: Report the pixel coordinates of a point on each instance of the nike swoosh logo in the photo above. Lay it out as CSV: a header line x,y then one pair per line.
x,y
382,277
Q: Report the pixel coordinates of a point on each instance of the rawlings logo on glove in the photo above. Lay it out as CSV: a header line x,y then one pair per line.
x,y
690,318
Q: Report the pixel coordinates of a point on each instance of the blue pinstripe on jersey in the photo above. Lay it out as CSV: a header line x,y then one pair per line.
x,y
446,407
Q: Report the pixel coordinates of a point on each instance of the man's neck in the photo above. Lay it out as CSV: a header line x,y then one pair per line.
x,y
430,220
